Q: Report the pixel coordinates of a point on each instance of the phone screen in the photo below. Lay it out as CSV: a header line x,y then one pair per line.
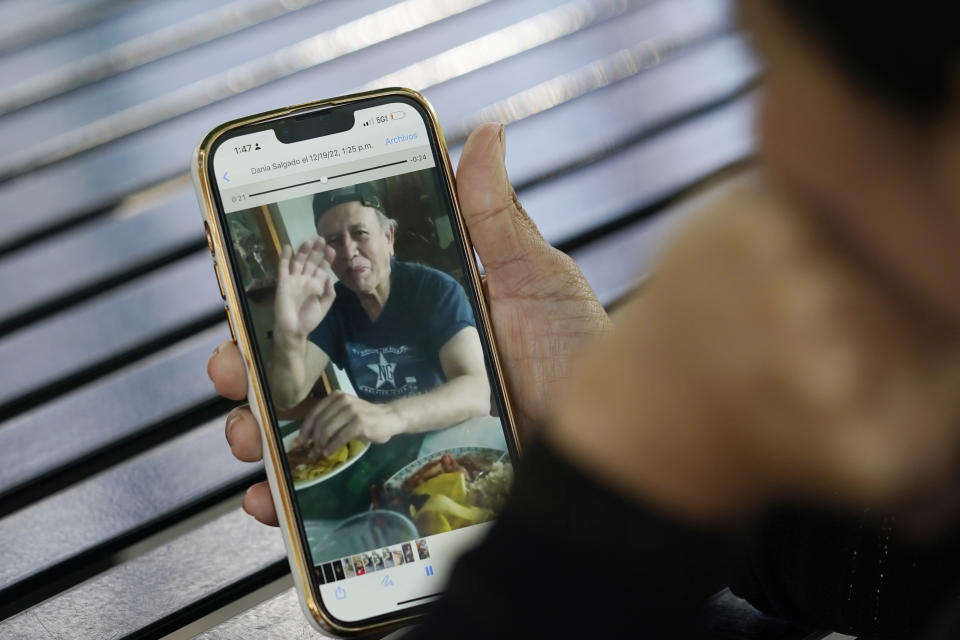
x,y
367,333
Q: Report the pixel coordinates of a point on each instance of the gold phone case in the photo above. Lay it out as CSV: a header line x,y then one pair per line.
x,y
282,491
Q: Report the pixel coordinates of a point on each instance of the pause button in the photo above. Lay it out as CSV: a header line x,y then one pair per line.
x,y
429,569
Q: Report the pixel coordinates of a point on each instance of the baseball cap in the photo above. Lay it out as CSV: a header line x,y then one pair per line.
x,y
362,193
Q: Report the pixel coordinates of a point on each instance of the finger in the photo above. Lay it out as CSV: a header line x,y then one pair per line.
x,y
283,267
321,267
500,229
226,369
300,257
243,435
311,432
315,257
306,435
333,430
259,503
334,417
320,284
344,435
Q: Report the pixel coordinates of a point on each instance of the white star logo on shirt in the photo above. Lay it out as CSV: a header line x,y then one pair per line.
x,y
384,371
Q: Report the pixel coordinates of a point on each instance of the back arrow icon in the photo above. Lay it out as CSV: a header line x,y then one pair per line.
x,y
225,175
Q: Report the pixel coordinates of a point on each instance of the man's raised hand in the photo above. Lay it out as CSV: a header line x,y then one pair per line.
x,y
304,287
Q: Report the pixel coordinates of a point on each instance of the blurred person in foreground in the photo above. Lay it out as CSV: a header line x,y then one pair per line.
x,y
779,409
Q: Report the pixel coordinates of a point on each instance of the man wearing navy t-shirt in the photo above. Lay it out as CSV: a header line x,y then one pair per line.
x,y
404,333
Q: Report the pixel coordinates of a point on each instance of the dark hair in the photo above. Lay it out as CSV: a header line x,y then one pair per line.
x,y
908,53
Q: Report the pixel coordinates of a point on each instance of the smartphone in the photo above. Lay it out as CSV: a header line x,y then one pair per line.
x,y
353,292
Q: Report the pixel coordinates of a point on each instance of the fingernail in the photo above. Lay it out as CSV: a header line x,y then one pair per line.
x,y
220,346
213,355
502,138
231,420
243,503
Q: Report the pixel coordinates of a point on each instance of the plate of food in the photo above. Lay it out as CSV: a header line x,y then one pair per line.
x,y
451,488
308,468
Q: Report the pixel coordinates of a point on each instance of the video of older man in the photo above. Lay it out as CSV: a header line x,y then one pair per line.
x,y
374,363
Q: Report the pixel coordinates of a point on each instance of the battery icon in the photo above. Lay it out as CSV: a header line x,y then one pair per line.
x,y
397,115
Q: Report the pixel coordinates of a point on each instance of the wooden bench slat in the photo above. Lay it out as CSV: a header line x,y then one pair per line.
x,y
47,120
644,173
121,320
102,176
656,24
139,19
173,29
604,119
109,510
121,406
107,248
276,618
32,22
148,594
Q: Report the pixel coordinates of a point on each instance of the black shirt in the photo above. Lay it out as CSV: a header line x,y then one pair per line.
x,y
568,557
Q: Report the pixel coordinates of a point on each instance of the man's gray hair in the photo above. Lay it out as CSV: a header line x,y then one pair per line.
x,y
386,222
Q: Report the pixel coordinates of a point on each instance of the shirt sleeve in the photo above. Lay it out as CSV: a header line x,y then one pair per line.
x,y
451,312
571,558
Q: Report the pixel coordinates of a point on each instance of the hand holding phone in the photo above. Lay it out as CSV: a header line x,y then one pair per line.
x,y
371,366
544,288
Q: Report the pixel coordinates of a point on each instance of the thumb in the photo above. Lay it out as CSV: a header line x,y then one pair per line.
x,y
501,231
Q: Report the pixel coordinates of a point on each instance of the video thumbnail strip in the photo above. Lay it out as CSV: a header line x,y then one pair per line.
x,y
372,561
